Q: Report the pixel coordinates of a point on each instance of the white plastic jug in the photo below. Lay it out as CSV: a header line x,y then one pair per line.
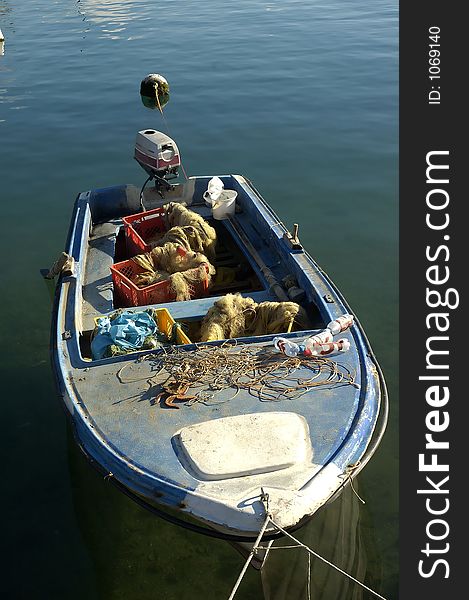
x,y
214,189
225,206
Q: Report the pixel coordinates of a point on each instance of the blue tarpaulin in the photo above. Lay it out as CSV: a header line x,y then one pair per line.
x,y
128,330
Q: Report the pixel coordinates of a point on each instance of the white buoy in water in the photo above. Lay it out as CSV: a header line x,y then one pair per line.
x,y
2,42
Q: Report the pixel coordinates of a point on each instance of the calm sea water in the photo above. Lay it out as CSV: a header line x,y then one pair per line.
x,y
301,97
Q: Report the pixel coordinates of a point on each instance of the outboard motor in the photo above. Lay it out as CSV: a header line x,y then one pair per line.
x,y
158,154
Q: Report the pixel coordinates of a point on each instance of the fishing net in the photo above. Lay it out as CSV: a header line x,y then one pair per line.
x,y
203,237
171,261
234,316
262,371
274,317
227,318
170,257
183,284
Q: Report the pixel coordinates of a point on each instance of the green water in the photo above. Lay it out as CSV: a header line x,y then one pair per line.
x,y
299,96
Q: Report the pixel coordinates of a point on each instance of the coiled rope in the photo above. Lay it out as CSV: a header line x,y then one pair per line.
x,y
264,373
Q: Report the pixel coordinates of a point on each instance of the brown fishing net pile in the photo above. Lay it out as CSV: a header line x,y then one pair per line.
x,y
185,228
184,269
188,237
194,229
234,316
183,284
180,255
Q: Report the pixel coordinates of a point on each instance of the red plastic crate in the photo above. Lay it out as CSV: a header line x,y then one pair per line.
x,y
129,294
140,228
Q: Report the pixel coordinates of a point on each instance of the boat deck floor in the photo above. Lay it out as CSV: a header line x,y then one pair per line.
x,y
124,408
97,288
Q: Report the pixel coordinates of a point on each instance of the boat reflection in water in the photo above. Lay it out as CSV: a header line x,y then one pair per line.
x,y
129,548
134,554
340,534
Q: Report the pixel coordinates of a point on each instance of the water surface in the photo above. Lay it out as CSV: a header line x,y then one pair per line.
x,y
301,97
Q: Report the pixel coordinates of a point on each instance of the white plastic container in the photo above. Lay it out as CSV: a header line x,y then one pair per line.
x,y
324,337
342,345
214,189
225,206
286,346
341,324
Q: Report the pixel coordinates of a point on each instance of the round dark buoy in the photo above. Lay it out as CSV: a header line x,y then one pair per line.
x,y
154,91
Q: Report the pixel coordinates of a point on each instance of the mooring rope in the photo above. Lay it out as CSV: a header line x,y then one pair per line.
x,y
348,474
167,129
257,546
249,558
316,555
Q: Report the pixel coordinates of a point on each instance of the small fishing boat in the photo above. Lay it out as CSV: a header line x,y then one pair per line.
x,y
213,434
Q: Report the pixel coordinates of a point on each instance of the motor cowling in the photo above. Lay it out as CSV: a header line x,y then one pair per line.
x,y
157,154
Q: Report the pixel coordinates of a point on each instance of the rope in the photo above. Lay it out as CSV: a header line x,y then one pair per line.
x,y
348,473
264,497
263,373
167,128
315,554
249,558
64,264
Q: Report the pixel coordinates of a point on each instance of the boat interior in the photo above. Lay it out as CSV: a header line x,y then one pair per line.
x,y
107,246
